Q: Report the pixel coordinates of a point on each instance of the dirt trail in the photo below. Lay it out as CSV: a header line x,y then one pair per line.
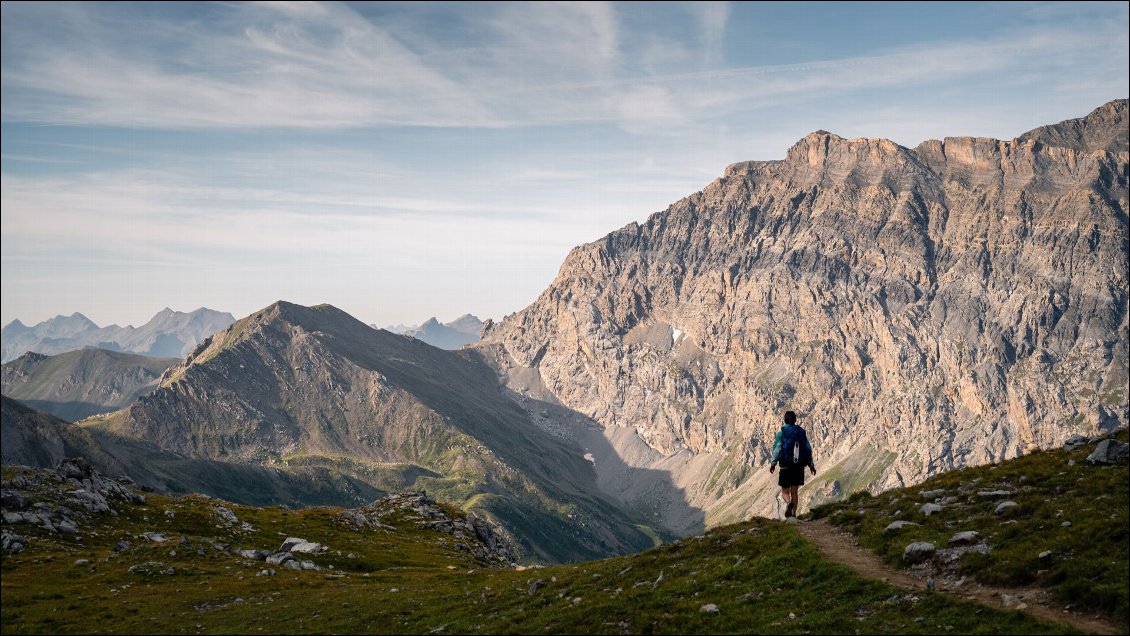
x,y
841,547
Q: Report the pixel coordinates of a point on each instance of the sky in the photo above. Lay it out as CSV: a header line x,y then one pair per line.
x,y
408,160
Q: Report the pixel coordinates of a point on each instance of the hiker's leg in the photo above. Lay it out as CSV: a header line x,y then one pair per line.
x,y
785,496
795,497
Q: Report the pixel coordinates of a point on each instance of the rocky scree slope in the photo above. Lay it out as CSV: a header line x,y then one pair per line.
x,y
922,309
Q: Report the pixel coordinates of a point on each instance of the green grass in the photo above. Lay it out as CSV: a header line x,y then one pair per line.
x,y
1089,558
413,580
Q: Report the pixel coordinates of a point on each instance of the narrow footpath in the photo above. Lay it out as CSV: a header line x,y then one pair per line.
x,y
842,548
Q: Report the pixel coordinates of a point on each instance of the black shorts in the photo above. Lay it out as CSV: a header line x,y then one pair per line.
x,y
791,476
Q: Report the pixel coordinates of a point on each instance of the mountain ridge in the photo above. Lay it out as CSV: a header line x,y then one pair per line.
x,y
907,302
168,334
77,384
315,386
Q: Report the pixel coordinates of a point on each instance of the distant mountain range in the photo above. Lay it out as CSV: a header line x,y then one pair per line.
x,y
169,334
453,335
78,384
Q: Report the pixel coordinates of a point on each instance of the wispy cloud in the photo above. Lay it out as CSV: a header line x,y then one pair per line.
x,y
329,66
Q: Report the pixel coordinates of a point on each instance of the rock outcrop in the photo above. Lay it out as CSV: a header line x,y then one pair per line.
x,y
923,309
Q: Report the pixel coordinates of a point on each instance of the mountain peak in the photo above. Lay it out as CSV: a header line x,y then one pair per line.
x,y
1103,129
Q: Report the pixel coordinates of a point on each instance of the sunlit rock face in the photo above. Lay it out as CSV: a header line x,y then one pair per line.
x,y
922,309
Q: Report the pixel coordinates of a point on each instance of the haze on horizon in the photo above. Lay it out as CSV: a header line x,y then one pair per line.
x,y
401,161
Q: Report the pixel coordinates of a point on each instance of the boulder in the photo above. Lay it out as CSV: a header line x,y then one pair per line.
x,y
1005,506
302,545
280,558
13,500
969,536
1075,441
918,552
930,509
895,526
1109,451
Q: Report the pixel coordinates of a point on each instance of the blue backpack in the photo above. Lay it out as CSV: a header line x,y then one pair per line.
x,y
794,447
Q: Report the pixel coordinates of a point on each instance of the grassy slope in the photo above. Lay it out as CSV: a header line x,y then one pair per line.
x,y
1089,558
406,581
76,384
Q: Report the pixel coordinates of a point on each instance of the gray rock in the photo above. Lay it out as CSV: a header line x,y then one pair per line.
x,y
932,494
1066,524
12,500
918,552
1109,451
1005,506
90,501
895,526
11,543
66,525
74,468
309,565
155,537
226,516
535,586
13,517
709,608
968,536
257,555
930,509
1045,554
292,564
994,493
294,544
280,558
1075,441
265,572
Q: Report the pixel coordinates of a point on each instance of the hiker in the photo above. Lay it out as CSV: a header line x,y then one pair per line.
x,y
792,450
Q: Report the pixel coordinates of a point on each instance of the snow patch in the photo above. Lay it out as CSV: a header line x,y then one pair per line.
x,y
589,457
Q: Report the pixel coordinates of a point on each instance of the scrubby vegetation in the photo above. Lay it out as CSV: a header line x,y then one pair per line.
x,y
1067,532
403,576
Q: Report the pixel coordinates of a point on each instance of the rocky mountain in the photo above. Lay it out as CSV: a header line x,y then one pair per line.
x,y
453,335
78,384
168,334
922,309
312,386
30,437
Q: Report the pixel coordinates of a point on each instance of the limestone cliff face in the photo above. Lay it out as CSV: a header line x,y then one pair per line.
x,y
922,309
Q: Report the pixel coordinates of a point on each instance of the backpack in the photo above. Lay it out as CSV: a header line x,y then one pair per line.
x,y
794,447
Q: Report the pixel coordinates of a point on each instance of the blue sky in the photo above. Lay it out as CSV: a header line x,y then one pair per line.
x,y
404,160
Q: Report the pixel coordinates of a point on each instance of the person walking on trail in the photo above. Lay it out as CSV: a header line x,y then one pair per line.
x,y
793,452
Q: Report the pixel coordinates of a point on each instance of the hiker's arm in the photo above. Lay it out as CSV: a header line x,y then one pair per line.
x,y
776,451
811,462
